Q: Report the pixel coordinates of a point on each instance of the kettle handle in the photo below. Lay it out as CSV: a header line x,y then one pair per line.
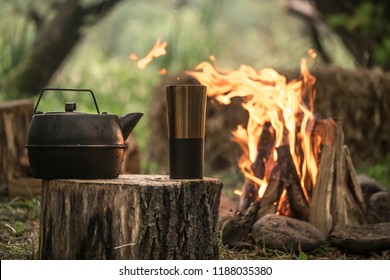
x,y
65,89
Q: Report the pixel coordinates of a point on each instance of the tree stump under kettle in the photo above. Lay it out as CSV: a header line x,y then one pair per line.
x,y
131,217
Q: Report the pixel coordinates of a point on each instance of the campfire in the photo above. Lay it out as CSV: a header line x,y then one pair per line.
x,y
300,185
294,164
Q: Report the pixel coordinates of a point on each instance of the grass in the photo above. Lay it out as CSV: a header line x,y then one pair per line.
x,y
19,223
19,231
380,170
325,252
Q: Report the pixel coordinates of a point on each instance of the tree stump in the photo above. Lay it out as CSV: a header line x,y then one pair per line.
x,y
131,217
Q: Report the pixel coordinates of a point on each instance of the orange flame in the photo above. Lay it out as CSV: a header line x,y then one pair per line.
x,y
268,98
158,50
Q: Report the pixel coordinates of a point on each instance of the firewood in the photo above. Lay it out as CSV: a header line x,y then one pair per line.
x,y
249,194
131,217
337,198
323,134
299,206
250,189
264,148
319,210
344,208
271,196
352,182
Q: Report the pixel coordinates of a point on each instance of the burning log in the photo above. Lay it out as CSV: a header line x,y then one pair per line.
x,y
270,199
284,177
299,206
264,148
265,145
249,194
132,217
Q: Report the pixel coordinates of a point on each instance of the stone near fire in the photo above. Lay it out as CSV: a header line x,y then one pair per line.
x,y
235,232
362,239
378,208
369,186
285,233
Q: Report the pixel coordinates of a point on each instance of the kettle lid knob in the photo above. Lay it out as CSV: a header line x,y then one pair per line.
x,y
70,106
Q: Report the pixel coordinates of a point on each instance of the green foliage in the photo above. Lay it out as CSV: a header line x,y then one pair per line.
x,y
380,170
382,53
16,37
366,19
18,227
370,22
302,256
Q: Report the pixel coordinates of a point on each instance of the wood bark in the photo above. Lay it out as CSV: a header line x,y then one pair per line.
x,y
15,119
249,194
337,198
319,211
284,177
264,147
299,206
271,197
345,209
131,217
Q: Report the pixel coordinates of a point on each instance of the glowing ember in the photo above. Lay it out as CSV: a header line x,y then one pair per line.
x,y
279,111
159,49
162,71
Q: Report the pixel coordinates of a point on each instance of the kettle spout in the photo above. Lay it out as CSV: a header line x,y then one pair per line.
x,y
128,122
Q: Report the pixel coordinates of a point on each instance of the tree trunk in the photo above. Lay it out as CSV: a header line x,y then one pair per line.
x,y
132,217
52,45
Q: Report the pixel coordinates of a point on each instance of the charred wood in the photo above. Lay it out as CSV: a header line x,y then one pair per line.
x,y
271,197
264,148
249,194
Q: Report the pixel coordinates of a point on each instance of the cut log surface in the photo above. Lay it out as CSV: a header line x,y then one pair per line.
x,y
131,217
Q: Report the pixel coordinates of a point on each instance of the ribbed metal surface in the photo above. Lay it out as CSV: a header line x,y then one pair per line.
x,y
186,111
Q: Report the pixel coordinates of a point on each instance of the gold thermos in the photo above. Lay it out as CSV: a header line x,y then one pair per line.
x,y
186,112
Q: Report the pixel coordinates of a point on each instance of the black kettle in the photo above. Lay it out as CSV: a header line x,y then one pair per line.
x,y
72,145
